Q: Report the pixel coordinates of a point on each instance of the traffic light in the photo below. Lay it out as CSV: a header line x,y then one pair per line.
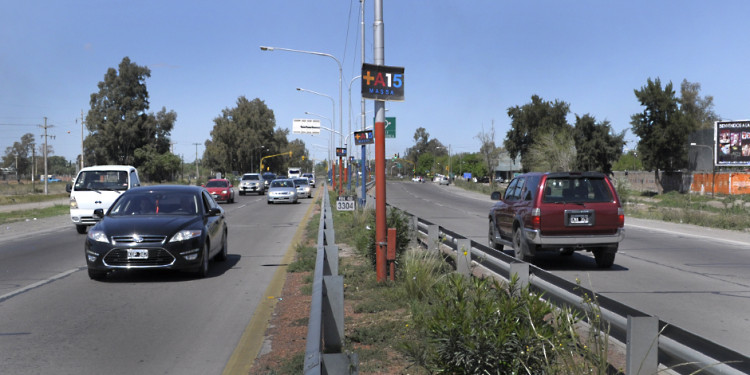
x,y
303,157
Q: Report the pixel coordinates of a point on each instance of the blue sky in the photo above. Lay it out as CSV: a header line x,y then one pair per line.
x,y
466,62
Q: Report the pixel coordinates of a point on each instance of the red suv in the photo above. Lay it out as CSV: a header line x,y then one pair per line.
x,y
560,211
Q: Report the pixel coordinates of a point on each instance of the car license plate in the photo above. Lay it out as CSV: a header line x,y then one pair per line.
x,y
579,219
137,254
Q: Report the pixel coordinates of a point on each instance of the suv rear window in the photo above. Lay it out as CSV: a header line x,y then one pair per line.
x,y
250,177
576,189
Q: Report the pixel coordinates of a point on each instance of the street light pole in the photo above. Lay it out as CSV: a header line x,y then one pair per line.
x,y
333,125
341,122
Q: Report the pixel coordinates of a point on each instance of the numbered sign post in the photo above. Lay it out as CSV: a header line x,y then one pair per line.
x,y
346,203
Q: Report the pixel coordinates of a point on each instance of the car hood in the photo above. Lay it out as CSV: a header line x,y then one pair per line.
x,y
166,225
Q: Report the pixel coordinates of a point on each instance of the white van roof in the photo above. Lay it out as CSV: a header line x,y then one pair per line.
x,y
109,168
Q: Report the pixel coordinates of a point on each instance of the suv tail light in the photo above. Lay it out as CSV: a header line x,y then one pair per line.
x,y
621,217
536,218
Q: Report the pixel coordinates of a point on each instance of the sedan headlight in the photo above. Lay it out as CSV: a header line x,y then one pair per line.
x,y
98,236
185,235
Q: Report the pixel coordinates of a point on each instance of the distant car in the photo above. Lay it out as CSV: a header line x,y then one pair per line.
x,y
310,177
499,180
53,179
560,211
417,179
221,189
252,183
282,190
303,187
157,227
444,181
267,178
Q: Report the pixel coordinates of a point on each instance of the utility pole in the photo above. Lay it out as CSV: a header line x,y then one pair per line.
x,y
196,162
46,191
82,122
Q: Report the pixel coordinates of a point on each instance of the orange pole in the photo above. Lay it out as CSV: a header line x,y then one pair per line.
x,y
380,211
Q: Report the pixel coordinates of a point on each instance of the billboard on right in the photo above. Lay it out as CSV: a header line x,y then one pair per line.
x,y
732,143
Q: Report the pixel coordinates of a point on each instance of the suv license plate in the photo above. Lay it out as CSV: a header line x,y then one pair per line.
x,y
579,219
137,254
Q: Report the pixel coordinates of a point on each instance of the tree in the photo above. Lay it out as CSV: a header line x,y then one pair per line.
x,y
118,121
158,166
423,144
552,151
21,152
489,152
530,121
242,135
662,128
597,147
300,156
697,109
628,162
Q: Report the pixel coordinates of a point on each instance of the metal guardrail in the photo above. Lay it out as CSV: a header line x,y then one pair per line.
x,y
679,350
325,330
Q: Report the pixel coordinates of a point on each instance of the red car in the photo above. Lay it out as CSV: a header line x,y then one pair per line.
x,y
562,211
221,189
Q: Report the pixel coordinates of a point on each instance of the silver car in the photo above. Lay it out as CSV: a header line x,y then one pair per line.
x,y
310,177
303,187
252,183
282,190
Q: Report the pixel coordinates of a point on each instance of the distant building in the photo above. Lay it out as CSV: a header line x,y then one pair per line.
x,y
507,167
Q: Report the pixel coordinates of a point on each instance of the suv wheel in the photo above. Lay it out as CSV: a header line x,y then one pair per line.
x,y
520,247
491,238
605,257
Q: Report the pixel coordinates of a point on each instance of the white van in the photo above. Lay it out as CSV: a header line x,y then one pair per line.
x,y
294,172
98,187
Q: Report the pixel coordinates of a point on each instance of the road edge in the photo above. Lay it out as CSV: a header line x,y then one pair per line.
x,y
242,359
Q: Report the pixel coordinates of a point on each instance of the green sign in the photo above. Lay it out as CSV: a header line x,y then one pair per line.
x,y
390,127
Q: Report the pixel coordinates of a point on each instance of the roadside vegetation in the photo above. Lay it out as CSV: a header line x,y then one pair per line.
x,y
432,320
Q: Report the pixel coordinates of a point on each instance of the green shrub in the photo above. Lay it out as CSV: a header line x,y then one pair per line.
x,y
395,218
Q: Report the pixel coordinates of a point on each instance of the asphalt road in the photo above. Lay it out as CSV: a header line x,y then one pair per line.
x,y
695,278
55,320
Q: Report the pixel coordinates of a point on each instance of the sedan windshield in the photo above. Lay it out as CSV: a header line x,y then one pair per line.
x,y
250,177
155,204
217,183
282,184
300,181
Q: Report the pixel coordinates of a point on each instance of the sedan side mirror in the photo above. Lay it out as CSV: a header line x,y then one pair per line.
x,y
214,211
99,213
496,195
68,188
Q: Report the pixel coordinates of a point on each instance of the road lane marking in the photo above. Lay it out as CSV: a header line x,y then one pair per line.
x,y
38,284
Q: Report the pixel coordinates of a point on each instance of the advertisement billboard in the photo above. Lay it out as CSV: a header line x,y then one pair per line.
x,y
305,126
732,146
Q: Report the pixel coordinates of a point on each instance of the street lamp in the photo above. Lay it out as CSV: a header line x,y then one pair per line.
x,y
713,167
341,123
331,142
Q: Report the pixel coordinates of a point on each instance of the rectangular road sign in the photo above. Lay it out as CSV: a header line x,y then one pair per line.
x,y
305,126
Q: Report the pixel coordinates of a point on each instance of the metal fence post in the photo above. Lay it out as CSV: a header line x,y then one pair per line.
x,y
643,345
433,237
521,270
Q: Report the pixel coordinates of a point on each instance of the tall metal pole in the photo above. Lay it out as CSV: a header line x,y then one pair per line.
x,y
380,209
363,166
82,123
196,163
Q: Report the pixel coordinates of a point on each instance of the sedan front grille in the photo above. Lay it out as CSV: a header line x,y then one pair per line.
x,y
156,258
138,240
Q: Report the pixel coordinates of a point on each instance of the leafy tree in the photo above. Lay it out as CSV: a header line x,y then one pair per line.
x,y
23,151
597,147
156,165
471,163
242,135
300,156
552,150
118,121
423,144
488,151
628,162
530,121
57,165
698,110
662,128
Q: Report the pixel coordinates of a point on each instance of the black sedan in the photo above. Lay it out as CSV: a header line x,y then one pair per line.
x,y
167,227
